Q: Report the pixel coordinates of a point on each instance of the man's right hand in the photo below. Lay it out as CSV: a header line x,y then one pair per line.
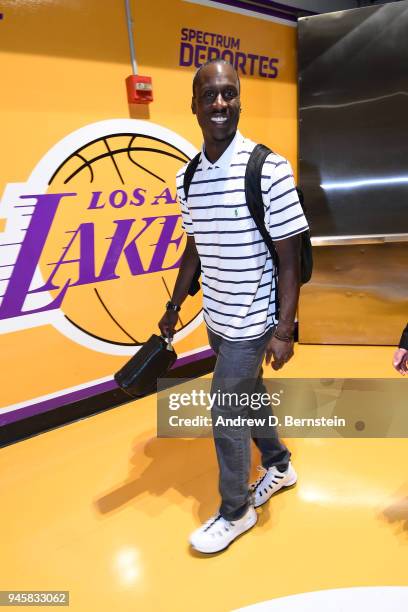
x,y
188,266
167,323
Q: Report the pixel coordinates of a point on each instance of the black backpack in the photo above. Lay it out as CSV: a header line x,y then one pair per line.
x,y
253,196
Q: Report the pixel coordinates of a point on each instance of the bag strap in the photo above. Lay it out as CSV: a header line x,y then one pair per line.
x,y
189,173
253,196
188,177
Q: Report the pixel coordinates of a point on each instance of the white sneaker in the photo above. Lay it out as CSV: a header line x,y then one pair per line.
x,y
270,482
218,533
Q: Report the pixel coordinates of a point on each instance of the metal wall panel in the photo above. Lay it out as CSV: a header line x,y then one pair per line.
x,y
353,99
346,304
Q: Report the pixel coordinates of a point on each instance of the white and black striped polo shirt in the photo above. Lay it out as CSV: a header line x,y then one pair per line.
x,y
237,280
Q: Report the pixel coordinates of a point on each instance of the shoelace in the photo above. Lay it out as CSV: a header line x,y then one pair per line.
x,y
212,521
260,468
211,524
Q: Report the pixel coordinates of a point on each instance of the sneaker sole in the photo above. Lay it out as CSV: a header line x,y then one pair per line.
x,y
291,483
212,552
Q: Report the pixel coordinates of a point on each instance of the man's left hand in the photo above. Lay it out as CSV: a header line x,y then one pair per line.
x,y
400,361
281,352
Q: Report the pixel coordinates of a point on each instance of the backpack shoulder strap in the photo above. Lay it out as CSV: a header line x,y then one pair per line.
x,y
253,195
189,173
188,177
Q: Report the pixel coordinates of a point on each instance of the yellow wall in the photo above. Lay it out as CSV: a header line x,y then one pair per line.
x,y
63,68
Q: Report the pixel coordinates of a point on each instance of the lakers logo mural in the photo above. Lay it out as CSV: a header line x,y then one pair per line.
x,y
93,240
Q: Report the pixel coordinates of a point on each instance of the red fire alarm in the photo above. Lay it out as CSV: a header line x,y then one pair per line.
x,y
139,89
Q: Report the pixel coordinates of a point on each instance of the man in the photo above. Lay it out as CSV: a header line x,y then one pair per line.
x,y
400,360
239,289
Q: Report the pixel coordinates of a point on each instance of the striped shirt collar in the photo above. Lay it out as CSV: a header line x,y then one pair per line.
x,y
226,158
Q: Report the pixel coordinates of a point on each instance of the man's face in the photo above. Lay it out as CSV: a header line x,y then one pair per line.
x,y
216,102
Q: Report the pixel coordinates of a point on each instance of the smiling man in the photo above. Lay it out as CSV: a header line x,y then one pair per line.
x,y
240,290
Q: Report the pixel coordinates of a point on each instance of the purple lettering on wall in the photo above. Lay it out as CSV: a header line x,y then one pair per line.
x,y
29,255
252,58
165,240
94,203
85,233
198,47
186,54
213,53
200,56
263,63
118,240
166,196
139,197
131,251
118,198
273,68
83,241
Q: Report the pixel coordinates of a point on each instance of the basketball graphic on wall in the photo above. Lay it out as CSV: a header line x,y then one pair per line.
x,y
116,243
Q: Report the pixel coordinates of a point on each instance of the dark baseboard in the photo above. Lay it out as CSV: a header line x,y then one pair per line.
x,y
68,413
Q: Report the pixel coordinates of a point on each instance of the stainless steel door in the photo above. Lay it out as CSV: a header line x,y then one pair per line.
x,y
353,100
358,293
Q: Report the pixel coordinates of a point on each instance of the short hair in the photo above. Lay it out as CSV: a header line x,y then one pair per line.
x,y
219,60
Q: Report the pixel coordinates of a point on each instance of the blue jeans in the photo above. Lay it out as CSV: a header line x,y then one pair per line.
x,y
241,361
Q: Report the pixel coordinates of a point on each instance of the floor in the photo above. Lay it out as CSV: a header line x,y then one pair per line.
x,y
103,508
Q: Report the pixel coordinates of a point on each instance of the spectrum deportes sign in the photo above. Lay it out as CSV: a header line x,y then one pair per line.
x,y
93,240
198,47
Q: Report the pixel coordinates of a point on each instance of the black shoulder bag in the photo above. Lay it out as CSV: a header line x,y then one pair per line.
x,y
253,196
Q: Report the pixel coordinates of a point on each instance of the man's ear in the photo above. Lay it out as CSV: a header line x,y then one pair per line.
x,y
193,106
